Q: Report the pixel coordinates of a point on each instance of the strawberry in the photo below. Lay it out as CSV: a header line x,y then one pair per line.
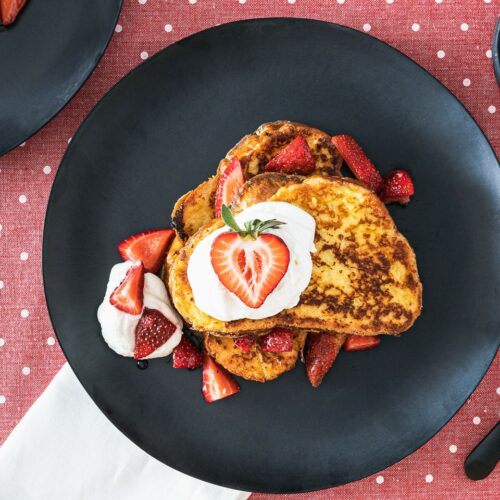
x,y
229,184
152,331
244,343
321,351
398,187
248,263
296,158
128,296
362,168
278,340
360,343
187,355
9,9
217,383
149,247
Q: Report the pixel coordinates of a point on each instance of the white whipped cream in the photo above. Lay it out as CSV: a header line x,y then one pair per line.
x,y
214,299
118,327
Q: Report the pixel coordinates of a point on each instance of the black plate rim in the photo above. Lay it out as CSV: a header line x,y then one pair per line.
x,y
86,76
81,128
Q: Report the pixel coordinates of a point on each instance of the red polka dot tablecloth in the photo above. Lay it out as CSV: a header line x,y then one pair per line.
x,y
450,38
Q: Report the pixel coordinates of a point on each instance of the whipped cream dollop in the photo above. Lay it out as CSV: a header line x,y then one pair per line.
x,y
118,327
214,299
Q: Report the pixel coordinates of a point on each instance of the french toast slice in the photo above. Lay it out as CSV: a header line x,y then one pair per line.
x,y
364,280
196,207
255,364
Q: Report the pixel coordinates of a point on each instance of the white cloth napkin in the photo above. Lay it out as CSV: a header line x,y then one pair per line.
x,y
66,449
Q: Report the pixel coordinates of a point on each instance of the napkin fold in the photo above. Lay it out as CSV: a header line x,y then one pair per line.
x,y
66,449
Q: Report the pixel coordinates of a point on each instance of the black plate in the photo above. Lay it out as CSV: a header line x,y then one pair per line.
x,y
162,130
45,57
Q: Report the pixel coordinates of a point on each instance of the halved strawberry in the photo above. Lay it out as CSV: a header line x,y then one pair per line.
x,y
360,342
9,9
152,331
398,187
149,247
320,353
296,158
186,354
217,383
248,263
244,343
359,164
128,296
229,184
277,340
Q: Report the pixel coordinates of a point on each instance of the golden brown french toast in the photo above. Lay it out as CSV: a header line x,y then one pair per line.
x,y
364,279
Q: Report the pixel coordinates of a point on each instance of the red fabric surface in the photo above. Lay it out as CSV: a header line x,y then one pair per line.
x,y
451,39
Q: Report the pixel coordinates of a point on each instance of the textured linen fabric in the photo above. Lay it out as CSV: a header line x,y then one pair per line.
x,y
449,38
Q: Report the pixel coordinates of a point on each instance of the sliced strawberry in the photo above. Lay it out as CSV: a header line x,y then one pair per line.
x,y
244,343
217,383
277,340
359,164
296,158
187,355
9,10
398,187
229,184
361,343
321,351
152,331
149,247
128,296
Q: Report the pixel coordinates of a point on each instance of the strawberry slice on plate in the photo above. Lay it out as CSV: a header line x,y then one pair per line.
x,y
149,247
398,187
296,158
229,184
217,383
357,161
186,354
277,340
361,343
128,296
244,343
9,9
321,351
152,331
248,262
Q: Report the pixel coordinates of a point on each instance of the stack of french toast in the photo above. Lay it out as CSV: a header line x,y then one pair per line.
x,y
364,281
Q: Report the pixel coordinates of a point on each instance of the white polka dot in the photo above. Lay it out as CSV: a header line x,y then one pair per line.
x,y
367,27
440,54
291,1
22,144
168,28
1,227
415,27
142,2
476,420
2,400
429,478
1,284
341,2
487,1
23,199
47,169
498,388
51,341
118,28
26,370
379,479
439,1
242,1
491,109
389,2
144,55
24,313
453,448
192,2
23,255
2,342
488,53
466,82
464,26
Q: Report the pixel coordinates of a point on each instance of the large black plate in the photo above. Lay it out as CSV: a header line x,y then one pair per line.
x,y
162,130
45,57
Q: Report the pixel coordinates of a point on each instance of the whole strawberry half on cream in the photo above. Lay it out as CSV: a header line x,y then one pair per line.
x,y
249,262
